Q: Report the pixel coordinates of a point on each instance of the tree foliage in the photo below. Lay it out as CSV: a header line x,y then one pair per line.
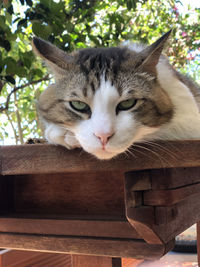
x,y
75,24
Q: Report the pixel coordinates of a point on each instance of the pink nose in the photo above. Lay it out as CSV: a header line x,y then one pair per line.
x,y
104,137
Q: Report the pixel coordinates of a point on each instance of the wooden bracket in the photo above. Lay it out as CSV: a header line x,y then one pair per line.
x,y
139,216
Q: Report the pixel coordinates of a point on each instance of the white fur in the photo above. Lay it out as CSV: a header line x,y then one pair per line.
x,y
60,136
105,120
185,123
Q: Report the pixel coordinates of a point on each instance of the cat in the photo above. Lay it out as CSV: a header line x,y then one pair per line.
x,y
106,99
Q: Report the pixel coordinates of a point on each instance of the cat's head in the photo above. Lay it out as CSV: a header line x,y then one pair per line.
x,y
108,97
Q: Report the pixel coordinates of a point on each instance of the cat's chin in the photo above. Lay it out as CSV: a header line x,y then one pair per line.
x,y
104,155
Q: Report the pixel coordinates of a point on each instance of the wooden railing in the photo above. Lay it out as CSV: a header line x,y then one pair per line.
x,y
132,206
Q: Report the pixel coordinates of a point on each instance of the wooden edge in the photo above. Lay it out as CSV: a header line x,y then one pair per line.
x,y
198,242
138,180
171,221
169,197
140,217
173,178
138,220
37,158
138,249
89,228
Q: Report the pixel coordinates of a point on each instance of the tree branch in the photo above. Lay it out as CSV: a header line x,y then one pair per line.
x,y
12,126
46,78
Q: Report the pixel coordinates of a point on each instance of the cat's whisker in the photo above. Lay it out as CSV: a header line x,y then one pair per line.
x,y
153,152
165,150
138,151
155,98
129,152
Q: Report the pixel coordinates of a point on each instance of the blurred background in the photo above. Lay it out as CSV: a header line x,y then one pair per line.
x,y
75,24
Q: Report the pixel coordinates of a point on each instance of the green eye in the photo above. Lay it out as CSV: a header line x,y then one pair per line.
x,y
127,104
79,106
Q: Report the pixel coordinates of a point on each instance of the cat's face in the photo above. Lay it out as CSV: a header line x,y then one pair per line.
x,y
104,97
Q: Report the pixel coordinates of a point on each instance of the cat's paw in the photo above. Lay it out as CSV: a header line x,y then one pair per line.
x,y
60,136
71,141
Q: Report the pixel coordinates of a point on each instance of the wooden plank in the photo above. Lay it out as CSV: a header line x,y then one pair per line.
x,y
100,228
98,193
6,194
164,179
94,261
37,158
128,248
139,180
198,242
37,259
178,218
170,197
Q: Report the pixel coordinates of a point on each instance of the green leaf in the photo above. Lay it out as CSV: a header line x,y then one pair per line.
x,y
41,30
21,72
11,65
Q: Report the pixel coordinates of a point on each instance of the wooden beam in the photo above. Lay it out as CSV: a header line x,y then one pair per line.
x,y
128,248
170,197
70,227
172,178
198,242
40,158
95,261
10,258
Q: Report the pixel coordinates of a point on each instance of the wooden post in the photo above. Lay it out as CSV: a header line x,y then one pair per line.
x,y
198,242
95,261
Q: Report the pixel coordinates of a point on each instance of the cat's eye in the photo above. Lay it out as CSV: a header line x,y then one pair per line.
x,y
127,104
79,106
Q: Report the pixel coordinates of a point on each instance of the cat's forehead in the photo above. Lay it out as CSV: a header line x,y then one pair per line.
x,y
103,61
100,65
100,58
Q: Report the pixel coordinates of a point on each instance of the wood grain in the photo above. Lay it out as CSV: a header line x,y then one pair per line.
x,y
17,258
198,242
140,217
70,227
179,217
170,197
94,261
127,248
56,200
100,193
172,178
40,158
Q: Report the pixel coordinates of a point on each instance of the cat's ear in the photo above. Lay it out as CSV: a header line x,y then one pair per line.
x,y
149,57
58,61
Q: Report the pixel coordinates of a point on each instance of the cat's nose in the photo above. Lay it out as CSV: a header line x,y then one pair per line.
x,y
104,137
